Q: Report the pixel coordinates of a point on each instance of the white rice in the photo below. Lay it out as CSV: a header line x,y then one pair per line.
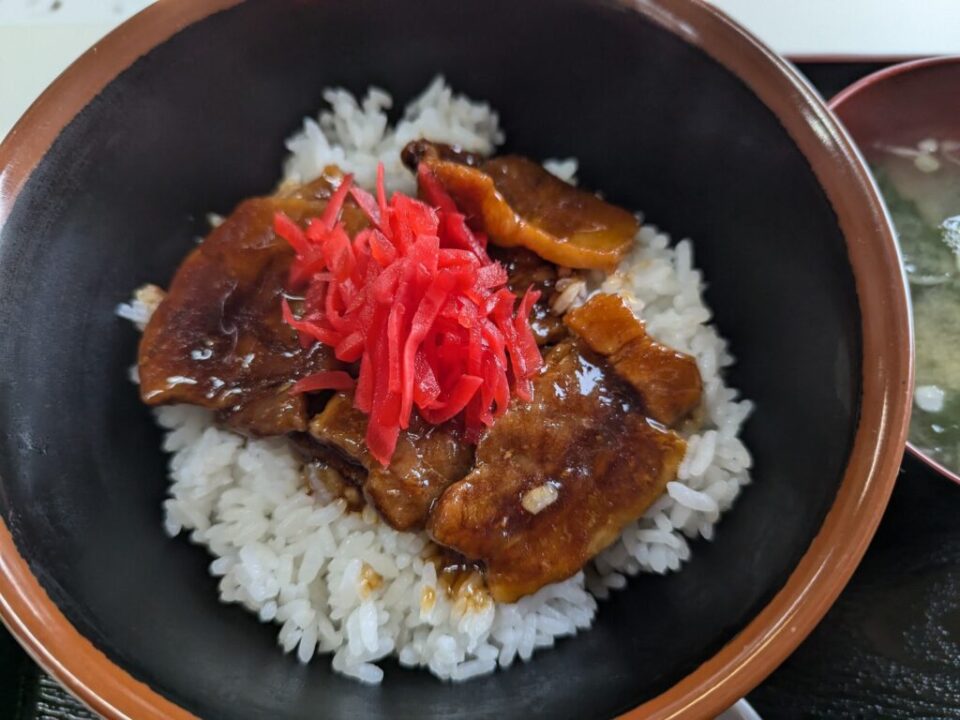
x,y
355,135
345,583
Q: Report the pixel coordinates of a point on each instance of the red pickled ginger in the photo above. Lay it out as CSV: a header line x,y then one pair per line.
x,y
418,303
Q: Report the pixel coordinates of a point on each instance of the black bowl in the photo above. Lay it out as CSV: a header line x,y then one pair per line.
x,y
669,108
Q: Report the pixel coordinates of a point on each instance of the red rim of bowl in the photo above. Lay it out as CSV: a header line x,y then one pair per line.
x,y
835,102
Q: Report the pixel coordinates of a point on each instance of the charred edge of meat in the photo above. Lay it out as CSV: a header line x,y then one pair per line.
x,y
417,151
352,473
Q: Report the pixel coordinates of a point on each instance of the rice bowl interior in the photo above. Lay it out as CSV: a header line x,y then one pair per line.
x,y
344,582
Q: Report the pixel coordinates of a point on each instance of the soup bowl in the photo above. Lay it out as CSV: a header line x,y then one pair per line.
x,y
899,107
669,107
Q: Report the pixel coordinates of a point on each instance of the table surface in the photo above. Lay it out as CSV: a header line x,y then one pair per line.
x,y
889,648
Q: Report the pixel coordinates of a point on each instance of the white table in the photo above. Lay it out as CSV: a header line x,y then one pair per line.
x,y
40,38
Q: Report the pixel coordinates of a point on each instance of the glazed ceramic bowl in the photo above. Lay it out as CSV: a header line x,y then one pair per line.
x,y
669,106
899,106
